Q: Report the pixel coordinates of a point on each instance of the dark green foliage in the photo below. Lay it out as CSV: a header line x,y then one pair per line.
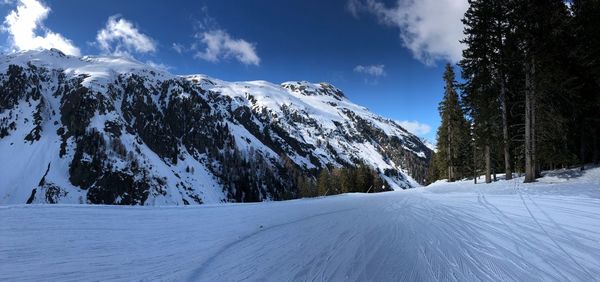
x,y
586,67
91,170
89,160
453,144
438,169
14,87
77,108
532,84
147,120
359,179
118,188
112,128
249,177
20,84
53,193
35,133
484,90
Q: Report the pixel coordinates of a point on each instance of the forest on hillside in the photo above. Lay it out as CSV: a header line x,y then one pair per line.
x,y
529,97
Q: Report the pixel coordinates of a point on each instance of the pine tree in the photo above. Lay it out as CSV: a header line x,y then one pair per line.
x,y
530,86
453,134
532,78
480,92
324,183
360,179
504,48
586,55
436,169
542,29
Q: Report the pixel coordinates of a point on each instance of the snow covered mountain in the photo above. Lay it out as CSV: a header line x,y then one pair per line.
x,y
110,130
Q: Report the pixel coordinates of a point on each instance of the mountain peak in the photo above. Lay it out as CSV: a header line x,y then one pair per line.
x,y
312,89
112,130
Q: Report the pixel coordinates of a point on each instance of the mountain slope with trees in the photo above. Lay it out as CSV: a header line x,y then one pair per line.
x,y
110,130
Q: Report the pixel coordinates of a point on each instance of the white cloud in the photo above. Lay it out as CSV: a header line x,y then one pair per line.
x,y
415,127
354,7
372,70
179,48
430,29
24,23
159,66
220,45
121,38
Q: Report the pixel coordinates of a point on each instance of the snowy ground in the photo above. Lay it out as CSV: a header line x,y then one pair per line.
x,y
549,230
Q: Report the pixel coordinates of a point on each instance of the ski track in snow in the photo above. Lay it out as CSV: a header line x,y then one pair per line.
x,y
505,231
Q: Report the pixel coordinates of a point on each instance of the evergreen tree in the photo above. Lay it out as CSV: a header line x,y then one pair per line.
x,y
542,29
504,54
480,90
532,78
453,134
586,55
359,179
324,183
436,170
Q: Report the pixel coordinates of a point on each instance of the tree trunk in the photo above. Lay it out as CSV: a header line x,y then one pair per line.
x,y
596,149
449,150
529,132
488,165
506,139
582,148
475,163
536,166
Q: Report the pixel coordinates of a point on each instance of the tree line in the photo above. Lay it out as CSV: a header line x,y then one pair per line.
x,y
339,180
529,98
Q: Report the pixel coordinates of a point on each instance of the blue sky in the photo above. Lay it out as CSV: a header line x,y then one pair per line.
x,y
385,55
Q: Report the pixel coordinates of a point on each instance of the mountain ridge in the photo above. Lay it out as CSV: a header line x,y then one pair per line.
x,y
111,130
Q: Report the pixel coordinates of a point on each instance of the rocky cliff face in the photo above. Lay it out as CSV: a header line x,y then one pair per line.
x,y
108,130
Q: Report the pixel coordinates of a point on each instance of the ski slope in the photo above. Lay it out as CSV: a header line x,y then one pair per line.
x,y
506,231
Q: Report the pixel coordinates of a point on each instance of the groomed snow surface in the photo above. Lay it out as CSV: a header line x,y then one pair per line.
x,y
503,231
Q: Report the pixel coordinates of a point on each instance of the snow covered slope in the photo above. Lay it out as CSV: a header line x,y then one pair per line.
x,y
110,130
506,231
